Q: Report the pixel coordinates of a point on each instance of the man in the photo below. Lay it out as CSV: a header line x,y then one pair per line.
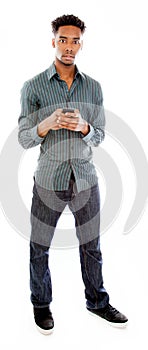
x,y
62,110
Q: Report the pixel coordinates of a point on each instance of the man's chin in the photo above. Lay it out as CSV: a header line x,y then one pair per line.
x,y
66,63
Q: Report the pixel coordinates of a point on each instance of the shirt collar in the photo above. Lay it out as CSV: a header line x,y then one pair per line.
x,y
51,72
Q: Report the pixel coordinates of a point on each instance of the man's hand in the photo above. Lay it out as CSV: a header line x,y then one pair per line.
x,y
50,123
73,121
59,120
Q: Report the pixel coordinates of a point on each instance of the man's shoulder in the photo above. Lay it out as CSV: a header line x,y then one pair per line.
x,y
35,84
88,78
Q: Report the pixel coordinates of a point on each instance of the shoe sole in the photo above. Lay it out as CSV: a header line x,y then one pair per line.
x,y
45,331
113,324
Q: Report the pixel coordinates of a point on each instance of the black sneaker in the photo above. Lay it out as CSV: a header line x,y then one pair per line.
x,y
44,320
110,314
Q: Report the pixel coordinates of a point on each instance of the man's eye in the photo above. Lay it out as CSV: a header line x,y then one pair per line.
x,y
77,42
62,41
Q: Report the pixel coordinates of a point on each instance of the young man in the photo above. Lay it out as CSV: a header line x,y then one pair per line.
x,y
62,110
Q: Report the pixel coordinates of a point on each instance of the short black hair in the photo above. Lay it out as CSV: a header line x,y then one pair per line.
x,y
67,20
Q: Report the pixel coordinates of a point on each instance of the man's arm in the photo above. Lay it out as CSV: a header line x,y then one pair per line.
x,y
97,123
27,122
32,131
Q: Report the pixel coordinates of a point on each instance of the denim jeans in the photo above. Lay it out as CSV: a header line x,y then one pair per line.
x,y
47,206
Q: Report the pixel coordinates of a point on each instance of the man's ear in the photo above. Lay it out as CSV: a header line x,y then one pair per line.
x,y
53,43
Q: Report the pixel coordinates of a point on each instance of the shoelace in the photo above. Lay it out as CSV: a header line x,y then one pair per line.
x,y
112,310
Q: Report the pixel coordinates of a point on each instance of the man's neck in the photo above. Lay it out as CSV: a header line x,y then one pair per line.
x,y
65,72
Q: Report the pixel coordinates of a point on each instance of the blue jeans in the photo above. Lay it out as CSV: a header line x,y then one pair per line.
x,y
47,206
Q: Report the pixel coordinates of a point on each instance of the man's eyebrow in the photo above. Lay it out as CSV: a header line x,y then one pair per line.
x,y
66,37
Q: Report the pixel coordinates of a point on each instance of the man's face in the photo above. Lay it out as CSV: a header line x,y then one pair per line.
x,y
67,42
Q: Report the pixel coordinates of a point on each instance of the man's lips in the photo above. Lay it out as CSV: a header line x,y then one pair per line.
x,y
69,57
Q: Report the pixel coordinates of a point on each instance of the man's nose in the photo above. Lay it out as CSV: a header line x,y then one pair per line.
x,y
69,48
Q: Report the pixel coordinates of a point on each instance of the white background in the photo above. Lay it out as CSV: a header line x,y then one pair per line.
x,y
115,53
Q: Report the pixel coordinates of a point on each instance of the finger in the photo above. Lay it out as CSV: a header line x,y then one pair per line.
x,y
77,112
64,123
67,120
68,126
70,115
59,110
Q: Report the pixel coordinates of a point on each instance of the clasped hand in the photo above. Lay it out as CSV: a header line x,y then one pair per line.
x,y
59,120
71,121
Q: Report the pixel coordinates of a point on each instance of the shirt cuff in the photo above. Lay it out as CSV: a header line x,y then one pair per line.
x,y
89,135
35,136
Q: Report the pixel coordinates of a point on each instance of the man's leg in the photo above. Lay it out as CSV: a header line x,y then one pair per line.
x,y
86,210
45,212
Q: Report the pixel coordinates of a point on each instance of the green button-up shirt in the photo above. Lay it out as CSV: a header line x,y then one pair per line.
x,y
62,151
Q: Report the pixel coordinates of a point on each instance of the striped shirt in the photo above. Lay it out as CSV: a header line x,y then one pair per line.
x,y
62,151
